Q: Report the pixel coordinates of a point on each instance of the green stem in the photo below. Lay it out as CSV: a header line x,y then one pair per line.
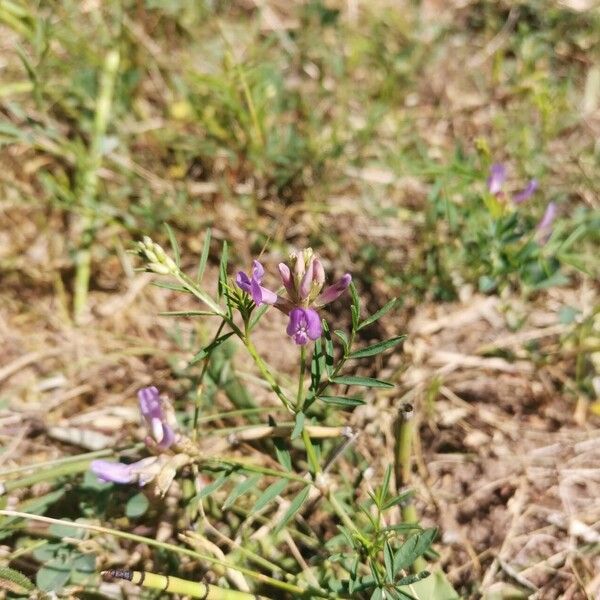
x,y
200,381
88,187
264,370
300,396
402,468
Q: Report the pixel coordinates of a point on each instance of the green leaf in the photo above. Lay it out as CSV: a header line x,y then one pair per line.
x,y
412,548
213,486
187,313
171,286
223,269
208,349
136,506
174,245
377,348
388,560
342,400
298,425
53,576
65,531
355,307
364,381
380,313
328,348
283,454
14,581
241,488
204,256
258,315
295,506
84,563
269,494
377,594
343,338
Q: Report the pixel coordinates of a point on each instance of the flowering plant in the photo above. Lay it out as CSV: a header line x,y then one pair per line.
x,y
371,557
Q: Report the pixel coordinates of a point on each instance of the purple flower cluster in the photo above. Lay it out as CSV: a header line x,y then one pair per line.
x,y
495,183
162,436
303,279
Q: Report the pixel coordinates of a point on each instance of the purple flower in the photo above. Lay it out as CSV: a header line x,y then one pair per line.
x,y
544,227
115,472
496,182
525,194
303,283
143,471
333,292
497,178
304,325
252,286
303,279
153,412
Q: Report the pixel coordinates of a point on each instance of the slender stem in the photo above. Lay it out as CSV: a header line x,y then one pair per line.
x,y
404,435
89,182
300,396
341,513
264,370
402,468
200,382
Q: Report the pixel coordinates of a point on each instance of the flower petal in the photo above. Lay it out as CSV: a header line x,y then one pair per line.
x,y
544,227
115,472
243,282
304,325
296,318
525,194
149,400
307,280
497,178
334,291
258,271
313,324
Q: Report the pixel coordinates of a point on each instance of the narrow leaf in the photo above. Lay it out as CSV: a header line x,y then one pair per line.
x,y
388,560
269,494
206,351
298,425
174,244
213,486
171,286
204,256
355,307
377,348
344,339
342,400
364,381
14,581
380,313
240,489
223,269
187,313
295,506
328,348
